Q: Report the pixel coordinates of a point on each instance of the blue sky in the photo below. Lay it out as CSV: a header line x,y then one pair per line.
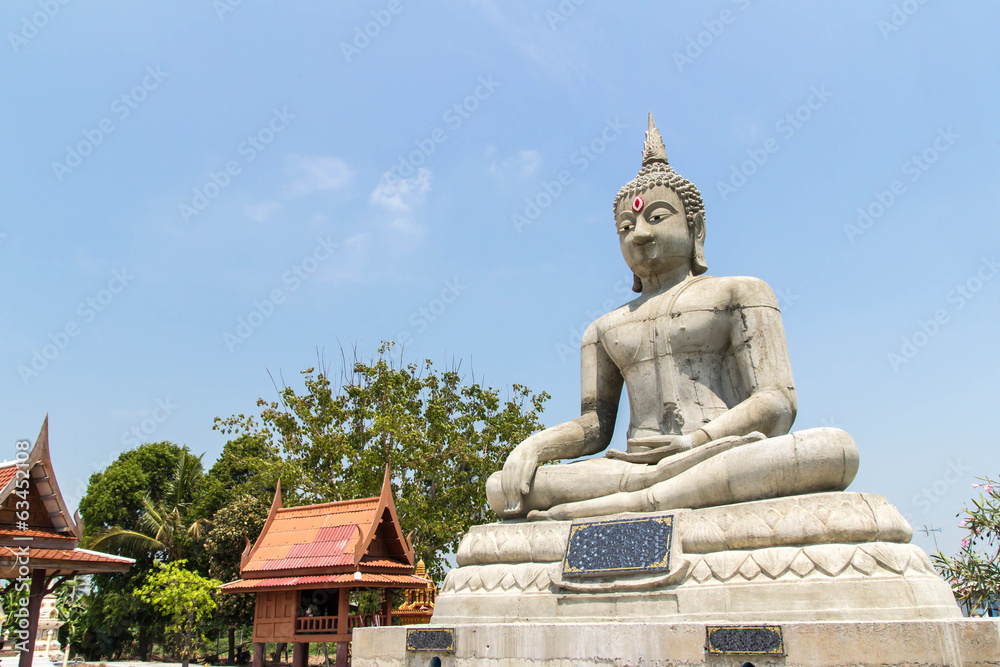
x,y
194,195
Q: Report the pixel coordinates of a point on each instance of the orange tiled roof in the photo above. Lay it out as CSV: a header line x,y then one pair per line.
x,y
76,556
63,560
314,536
9,531
381,562
367,578
6,474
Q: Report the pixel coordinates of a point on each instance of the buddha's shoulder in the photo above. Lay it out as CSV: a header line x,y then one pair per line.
x,y
705,293
728,292
624,314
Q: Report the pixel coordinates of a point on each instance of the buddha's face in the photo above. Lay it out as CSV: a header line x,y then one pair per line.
x,y
654,233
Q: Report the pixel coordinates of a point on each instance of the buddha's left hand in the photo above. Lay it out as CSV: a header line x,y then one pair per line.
x,y
654,448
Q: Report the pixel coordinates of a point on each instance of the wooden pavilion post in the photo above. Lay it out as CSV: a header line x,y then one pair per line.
x,y
343,624
258,654
35,594
387,606
300,654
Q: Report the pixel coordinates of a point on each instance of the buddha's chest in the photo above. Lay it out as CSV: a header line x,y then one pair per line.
x,y
646,333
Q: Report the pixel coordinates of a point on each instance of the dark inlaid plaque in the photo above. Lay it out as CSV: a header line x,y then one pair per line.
x,y
435,639
745,640
615,546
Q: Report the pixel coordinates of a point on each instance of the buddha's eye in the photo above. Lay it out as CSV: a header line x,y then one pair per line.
x,y
625,228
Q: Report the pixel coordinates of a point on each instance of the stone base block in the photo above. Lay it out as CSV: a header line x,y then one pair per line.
x,y
956,643
820,557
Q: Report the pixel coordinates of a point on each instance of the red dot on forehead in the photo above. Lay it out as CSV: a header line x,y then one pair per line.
x,y
637,204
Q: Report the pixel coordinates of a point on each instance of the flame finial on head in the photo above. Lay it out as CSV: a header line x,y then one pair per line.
x,y
653,150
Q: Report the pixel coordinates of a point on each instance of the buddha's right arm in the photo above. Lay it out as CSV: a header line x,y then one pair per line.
x,y
588,434
601,390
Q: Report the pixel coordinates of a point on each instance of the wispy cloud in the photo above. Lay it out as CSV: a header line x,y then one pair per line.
x,y
311,174
523,164
398,199
402,194
528,33
262,211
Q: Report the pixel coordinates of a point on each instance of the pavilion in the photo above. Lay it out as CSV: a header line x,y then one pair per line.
x,y
308,559
39,537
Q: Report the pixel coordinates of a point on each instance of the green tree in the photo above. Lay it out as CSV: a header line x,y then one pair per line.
x,y
116,497
233,525
974,572
184,598
441,436
139,506
72,611
167,526
248,464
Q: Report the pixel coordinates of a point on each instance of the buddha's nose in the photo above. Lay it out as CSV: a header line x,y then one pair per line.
x,y
643,233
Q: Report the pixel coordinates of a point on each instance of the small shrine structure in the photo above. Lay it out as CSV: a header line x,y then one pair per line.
x,y
39,537
308,559
418,603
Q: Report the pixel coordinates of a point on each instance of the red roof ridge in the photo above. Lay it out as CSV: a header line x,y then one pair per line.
x,y
357,501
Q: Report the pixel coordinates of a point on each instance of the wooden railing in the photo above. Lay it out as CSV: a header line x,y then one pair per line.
x,y
325,624
328,624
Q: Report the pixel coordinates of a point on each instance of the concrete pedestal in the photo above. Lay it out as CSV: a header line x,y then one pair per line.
x,y
956,643
833,571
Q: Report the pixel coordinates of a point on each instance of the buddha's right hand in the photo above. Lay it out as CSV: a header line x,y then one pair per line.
x,y
518,470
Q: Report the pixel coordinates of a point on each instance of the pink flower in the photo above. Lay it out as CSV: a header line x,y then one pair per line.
x,y
964,523
988,488
975,486
965,543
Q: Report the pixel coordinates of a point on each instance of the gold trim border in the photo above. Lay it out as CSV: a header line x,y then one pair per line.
x,y
710,629
449,631
662,564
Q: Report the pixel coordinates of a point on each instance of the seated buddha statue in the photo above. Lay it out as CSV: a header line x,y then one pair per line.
x,y
710,389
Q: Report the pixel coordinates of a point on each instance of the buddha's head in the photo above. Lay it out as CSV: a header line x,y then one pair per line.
x,y
660,217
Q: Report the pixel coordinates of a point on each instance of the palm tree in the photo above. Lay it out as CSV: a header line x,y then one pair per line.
x,y
164,526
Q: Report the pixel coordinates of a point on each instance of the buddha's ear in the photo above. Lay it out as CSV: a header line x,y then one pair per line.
x,y
698,265
636,284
